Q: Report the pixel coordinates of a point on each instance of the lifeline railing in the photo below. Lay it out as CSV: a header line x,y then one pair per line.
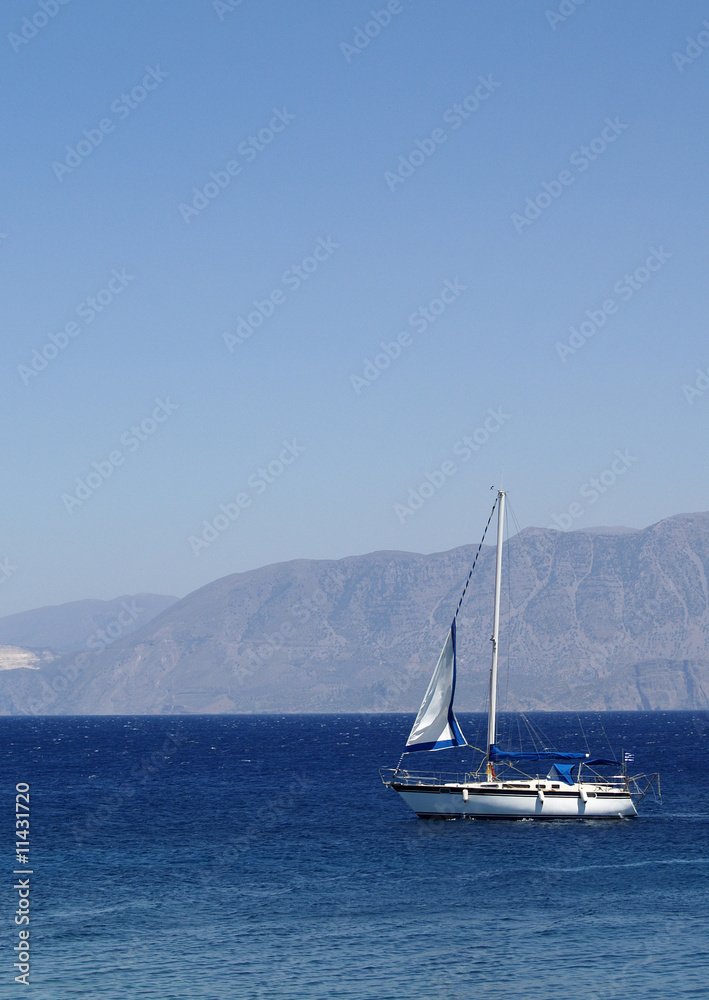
x,y
638,785
652,783
387,774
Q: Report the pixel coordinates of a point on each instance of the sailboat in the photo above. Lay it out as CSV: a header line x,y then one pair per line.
x,y
572,788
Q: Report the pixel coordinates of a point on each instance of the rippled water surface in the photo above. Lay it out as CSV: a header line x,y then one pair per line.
x,y
261,857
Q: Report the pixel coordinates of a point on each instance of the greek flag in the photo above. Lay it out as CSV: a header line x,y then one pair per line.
x,y
628,757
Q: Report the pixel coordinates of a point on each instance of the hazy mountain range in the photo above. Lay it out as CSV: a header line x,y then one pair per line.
x,y
606,618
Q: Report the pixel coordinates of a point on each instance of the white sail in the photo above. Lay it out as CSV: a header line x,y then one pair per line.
x,y
436,727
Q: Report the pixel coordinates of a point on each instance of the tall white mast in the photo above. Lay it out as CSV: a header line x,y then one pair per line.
x,y
495,629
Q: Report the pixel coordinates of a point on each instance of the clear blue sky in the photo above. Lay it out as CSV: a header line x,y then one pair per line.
x,y
174,92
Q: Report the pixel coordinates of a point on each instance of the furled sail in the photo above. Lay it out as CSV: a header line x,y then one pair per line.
x,y
436,727
496,754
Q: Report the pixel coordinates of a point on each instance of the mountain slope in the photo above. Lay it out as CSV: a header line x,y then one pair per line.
x,y
591,620
67,627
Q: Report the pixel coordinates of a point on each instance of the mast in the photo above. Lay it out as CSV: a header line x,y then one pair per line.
x,y
495,631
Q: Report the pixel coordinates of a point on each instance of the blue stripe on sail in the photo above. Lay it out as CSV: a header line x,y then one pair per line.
x,y
438,745
458,739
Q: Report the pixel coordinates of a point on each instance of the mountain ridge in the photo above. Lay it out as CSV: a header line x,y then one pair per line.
x,y
591,620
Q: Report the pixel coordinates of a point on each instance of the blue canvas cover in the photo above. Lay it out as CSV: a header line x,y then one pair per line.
x,y
495,754
561,772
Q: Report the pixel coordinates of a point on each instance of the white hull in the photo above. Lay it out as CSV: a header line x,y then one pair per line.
x,y
517,800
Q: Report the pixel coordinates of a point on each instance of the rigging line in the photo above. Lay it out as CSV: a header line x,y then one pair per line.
x,y
605,734
516,526
508,630
583,732
396,770
532,732
503,727
539,739
475,560
515,523
535,735
517,529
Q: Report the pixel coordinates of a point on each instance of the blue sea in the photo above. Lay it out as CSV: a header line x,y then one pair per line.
x,y
261,857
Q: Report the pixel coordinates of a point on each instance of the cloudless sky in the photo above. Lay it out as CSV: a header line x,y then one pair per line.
x,y
353,166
